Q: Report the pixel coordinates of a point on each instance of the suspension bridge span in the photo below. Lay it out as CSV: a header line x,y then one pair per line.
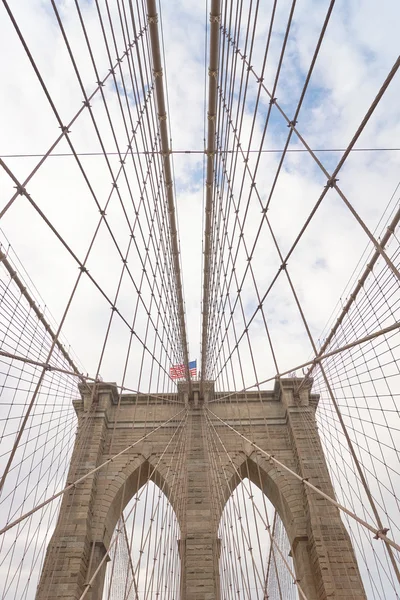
x,y
270,469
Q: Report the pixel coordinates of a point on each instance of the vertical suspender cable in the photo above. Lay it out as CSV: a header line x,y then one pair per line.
x,y
215,19
152,17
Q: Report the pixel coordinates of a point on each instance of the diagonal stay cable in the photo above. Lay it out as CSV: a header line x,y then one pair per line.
x,y
227,106
20,188
332,178
261,78
82,269
14,276
64,128
134,129
359,286
106,555
377,532
378,246
75,483
340,164
82,266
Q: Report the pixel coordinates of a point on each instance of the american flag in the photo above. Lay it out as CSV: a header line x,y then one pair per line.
x,y
179,371
193,368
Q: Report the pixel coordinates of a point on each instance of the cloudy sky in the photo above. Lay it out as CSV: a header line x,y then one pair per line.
x,y
358,51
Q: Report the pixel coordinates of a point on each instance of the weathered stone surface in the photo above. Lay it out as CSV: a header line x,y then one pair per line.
x,y
281,422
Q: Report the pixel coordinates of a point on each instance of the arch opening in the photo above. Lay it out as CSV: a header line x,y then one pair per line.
x,y
133,478
250,566
265,478
144,549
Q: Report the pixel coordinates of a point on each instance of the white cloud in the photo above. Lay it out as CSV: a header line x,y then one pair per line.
x,y
358,51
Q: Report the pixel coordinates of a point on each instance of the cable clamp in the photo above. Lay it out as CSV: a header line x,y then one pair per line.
x,y
292,124
272,101
260,80
211,117
100,83
249,68
215,18
111,71
83,269
381,532
102,212
158,73
331,182
162,117
115,185
64,129
213,72
87,103
20,189
168,185
283,267
152,20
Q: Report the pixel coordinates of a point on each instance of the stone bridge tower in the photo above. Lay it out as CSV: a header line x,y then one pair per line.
x,y
281,422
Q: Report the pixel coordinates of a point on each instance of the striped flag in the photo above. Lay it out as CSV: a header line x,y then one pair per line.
x,y
179,371
193,368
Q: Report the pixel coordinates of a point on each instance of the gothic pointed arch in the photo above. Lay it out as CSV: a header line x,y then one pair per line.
x,y
210,465
116,493
284,494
